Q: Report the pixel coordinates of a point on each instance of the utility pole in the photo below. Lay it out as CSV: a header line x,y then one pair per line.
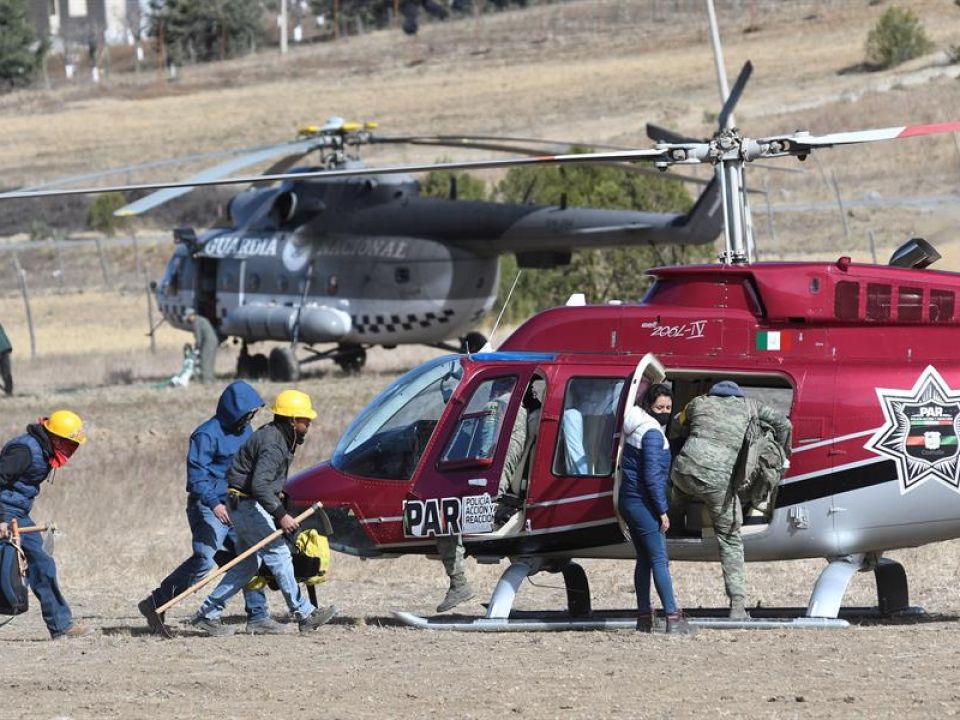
x,y
283,27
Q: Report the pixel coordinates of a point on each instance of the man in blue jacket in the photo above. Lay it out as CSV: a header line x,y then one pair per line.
x,y
212,447
25,462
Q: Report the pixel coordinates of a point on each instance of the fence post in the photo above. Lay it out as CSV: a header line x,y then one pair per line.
x,y
22,282
56,246
873,246
103,262
136,253
150,328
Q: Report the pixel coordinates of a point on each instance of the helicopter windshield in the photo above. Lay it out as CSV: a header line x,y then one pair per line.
x,y
388,437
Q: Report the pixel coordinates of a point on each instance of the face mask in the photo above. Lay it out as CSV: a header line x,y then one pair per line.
x,y
301,436
662,418
62,450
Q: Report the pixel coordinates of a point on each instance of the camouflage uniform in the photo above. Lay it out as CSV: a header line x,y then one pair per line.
x,y
207,341
704,469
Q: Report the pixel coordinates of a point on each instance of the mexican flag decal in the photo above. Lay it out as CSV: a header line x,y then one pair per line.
x,y
774,340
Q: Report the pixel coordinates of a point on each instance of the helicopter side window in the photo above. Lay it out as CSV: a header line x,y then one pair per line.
x,y
909,304
878,301
171,282
475,439
941,306
585,445
846,301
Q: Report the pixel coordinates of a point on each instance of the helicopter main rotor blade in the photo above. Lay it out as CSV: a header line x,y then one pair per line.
x,y
211,175
654,155
801,141
724,118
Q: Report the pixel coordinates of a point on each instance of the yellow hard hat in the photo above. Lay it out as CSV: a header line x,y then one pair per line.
x,y
293,403
66,424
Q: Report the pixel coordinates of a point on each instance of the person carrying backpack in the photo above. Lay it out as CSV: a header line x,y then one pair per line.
x,y
26,461
716,425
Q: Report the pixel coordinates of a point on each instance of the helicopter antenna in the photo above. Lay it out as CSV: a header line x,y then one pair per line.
x,y
488,346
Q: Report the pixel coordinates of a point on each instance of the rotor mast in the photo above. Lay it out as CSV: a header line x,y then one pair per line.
x,y
737,225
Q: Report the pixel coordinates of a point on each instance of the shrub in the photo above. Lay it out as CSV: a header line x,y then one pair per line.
x,y
100,215
897,37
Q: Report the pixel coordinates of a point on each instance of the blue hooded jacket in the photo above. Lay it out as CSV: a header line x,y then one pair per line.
x,y
215,442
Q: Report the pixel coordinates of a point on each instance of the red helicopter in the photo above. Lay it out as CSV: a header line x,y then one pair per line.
x,y
860,357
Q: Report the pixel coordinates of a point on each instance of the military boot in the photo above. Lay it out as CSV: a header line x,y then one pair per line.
x,y
645,621
738,609
460,591
677,625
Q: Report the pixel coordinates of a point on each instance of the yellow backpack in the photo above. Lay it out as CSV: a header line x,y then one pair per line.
x,y
311,562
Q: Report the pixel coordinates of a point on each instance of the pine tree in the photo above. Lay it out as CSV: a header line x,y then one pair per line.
x,y
20,52
205,30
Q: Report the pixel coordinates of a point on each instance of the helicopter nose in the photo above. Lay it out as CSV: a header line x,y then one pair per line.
x,y
340,495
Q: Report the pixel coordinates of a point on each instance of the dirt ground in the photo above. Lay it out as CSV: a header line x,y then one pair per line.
x,y
579,70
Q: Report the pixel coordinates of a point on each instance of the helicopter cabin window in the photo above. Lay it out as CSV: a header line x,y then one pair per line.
x,y
283,283
878,301
333,285
909,304
402,275
253,282
846,301
475,437
587,427
941,306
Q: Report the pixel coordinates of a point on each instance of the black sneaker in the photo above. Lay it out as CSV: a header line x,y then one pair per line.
x,y
154,619
320,616
677,625
645,622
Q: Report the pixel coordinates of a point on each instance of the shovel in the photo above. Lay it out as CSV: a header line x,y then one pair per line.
x,y
226,566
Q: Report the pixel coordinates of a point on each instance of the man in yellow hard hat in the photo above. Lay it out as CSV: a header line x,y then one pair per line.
x,y
255,486
25,462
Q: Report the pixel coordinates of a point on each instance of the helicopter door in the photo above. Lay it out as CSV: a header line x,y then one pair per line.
x,y
457,491
649,372
205,298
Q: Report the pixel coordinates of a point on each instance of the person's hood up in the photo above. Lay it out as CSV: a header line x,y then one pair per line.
x,y
726,388
236,401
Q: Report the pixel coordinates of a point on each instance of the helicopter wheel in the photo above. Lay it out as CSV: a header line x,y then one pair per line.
x,y
351,359
283,365
252,367
472,342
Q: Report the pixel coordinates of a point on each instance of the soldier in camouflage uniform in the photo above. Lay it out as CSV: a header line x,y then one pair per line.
x,y
716,424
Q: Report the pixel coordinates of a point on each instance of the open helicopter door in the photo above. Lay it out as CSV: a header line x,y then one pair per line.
x,y
456,490
649,372
205,297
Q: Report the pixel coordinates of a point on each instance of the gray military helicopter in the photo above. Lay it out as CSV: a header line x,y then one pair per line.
x,y
360,262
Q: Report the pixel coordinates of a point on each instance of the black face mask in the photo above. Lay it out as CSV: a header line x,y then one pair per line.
x,y
662,418
299,437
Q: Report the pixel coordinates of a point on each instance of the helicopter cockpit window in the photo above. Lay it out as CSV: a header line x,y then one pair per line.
x,y
389,436
171,279
587,427
475,438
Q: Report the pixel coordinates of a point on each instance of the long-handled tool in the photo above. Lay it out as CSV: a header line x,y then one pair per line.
x,y
238,559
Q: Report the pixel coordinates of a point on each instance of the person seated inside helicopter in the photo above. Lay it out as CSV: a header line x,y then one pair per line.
x,y
587,426
516,466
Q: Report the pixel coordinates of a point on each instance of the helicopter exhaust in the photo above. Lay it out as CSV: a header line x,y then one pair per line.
x,y
275,322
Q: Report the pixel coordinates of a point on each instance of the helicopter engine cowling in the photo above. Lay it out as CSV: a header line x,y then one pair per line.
x,y
277,322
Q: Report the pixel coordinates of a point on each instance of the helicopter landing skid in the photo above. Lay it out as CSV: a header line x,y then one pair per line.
x,y
605,620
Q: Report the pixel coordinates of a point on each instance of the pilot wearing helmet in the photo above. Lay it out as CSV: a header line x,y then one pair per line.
x,y
25,462
255,484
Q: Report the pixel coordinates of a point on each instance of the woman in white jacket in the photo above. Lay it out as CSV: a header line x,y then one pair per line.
x,y
643,504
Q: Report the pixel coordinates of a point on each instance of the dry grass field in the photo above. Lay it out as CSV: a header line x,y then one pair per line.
x,y
581,70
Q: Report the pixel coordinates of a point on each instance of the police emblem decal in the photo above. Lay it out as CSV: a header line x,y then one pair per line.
x,y
920,431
